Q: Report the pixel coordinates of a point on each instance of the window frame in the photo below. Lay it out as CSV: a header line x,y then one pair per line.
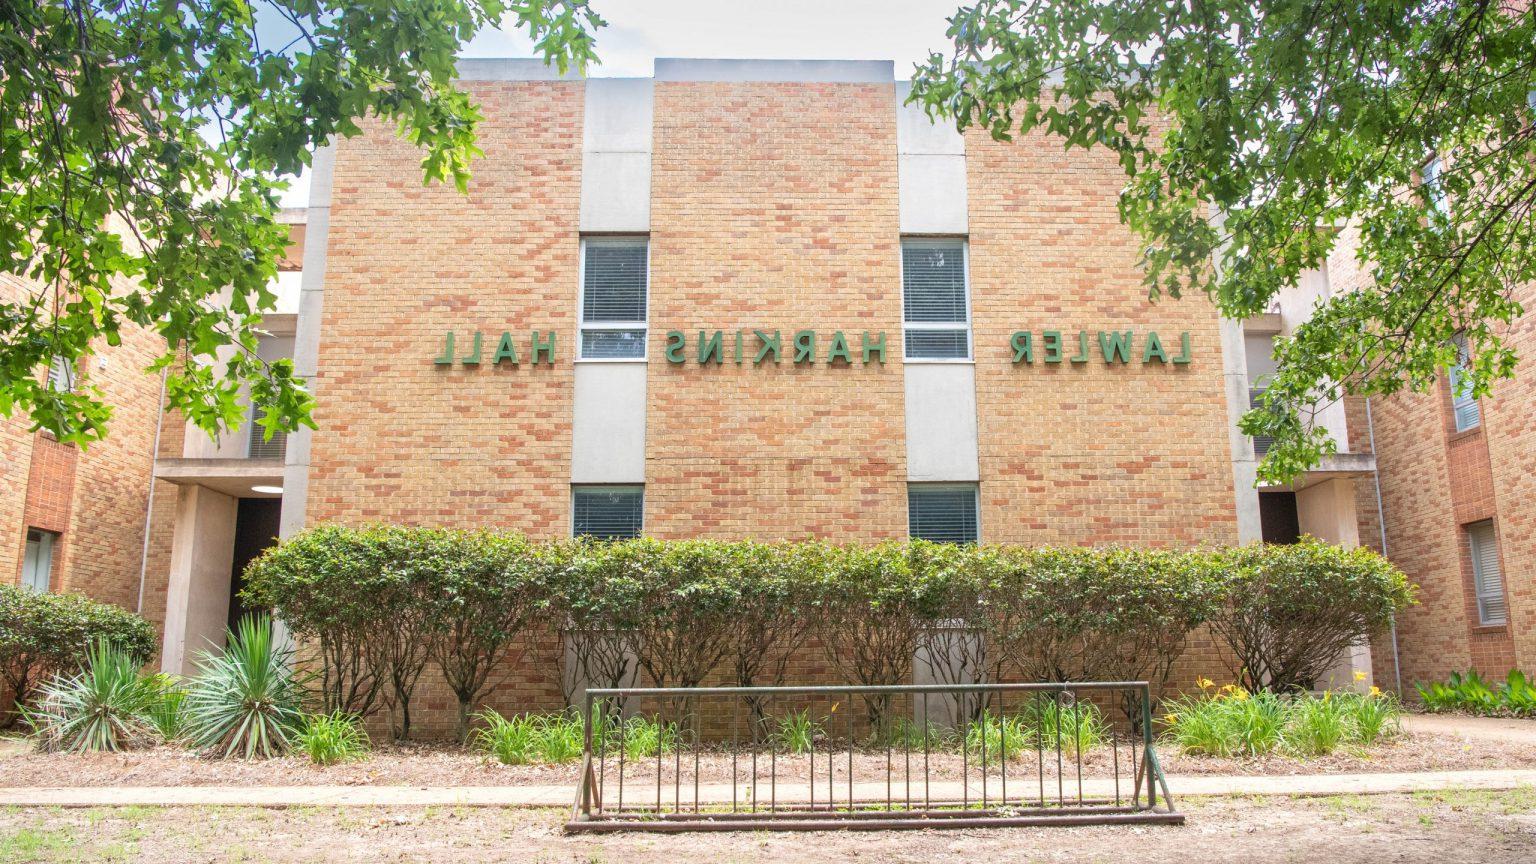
x,y
945,486
933,242
1480,592
583,325
47,543
1460,402
60,366
577,488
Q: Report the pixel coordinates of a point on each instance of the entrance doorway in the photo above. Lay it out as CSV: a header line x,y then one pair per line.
x,y
256,526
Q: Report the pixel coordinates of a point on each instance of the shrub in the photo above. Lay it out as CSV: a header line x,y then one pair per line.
x,y
1291,610
1472,694
245,700
100,708
331,738
42,635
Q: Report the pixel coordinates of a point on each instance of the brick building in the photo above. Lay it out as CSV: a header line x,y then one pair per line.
x,y
765,298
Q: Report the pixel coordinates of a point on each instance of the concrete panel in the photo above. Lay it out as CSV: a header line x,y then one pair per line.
x,y
915,133
617,115
1327,511
306,340
197,596
932,194
1234,371
808,71
609,423
511,69
941,422
615,192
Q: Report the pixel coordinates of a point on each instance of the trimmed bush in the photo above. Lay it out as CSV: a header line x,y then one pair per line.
x,y
1291,610
42,635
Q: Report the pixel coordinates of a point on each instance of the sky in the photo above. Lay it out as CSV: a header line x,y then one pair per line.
x,y
639,31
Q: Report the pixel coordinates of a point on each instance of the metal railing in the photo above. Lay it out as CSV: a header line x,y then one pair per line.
x,y
756,758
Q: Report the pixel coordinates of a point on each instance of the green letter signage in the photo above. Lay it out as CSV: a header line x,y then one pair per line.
x,y
876,347
1115,345
505,350
676,342
446,358
1051,340
805,346
711,347
1023,343
770,344
839,349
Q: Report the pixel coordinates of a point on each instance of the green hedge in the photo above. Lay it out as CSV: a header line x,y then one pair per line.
x,y
380,604
45,634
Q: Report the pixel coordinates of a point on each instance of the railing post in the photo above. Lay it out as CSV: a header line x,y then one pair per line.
x,y
1146,741
586,747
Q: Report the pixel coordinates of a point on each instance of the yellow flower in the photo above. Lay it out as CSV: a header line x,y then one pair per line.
x,y
1229,688
1359,675
1375,691
1170,717
1205,683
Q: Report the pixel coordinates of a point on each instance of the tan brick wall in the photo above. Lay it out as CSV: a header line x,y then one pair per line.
x,y
401,439
1509,418
774,207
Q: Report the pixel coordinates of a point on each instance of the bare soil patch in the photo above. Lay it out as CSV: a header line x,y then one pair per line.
x,y
447,765
1456,827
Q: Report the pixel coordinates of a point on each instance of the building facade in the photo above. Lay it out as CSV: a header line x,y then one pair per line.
x,y
767,299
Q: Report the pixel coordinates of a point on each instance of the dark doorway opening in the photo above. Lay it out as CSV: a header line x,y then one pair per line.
x,y
256,523
1277,516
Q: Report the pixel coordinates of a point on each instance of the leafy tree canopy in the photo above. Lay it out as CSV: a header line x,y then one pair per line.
x,y
1254,133
142,144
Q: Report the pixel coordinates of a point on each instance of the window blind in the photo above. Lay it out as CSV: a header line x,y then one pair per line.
x,y
1468,414
61,374
942,513
607,512
1487,579
259,448
934,300
1261,443
613,298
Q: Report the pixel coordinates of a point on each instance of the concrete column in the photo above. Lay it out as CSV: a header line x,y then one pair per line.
x,y
1245,465
1327,511
197,597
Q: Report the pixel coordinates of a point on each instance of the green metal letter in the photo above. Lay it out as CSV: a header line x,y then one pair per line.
x,y
473,357
839,349
545,348
1115,345
676,342
805,346
1051,341
876,347
1023,343
1183,348
711,347
1153,348
1082,347
446,358
505,350
770,343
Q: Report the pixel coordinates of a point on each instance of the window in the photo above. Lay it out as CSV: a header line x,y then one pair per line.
x,y
61,374
1434,186
258,447
614,281
37,563
607,512
935,303
1463,403
942,512
1487,579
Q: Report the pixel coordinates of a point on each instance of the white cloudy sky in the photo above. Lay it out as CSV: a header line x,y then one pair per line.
x,y
639,31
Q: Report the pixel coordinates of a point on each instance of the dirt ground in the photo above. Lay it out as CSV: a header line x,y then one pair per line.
x,y
440,765
1441,827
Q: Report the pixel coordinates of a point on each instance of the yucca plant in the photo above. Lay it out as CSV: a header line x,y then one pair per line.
x,y
246,700
331,738
100,708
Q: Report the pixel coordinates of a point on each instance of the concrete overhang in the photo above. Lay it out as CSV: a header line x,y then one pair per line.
x,y
233,477
280,323
1338,466
1267,324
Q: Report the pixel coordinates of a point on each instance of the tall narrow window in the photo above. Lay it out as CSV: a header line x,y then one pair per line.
x,y
1487,578
1463,403
1434,185
607,512
614,284
942,512
37,562
936,305
61,374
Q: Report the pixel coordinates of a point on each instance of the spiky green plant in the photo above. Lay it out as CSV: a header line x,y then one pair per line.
x,y
796,733
527,738
1317,726
167,710
246,700
100,708
331,738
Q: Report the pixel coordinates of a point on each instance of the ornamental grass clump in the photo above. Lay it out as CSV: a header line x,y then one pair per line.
x,y
796,732
525,739
167,710
331,738
103,707
1231,722
246,700
1470,693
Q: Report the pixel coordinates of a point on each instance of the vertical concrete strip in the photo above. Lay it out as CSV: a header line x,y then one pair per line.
x,y
941,425
306,347
608,422
1245,494
197,595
